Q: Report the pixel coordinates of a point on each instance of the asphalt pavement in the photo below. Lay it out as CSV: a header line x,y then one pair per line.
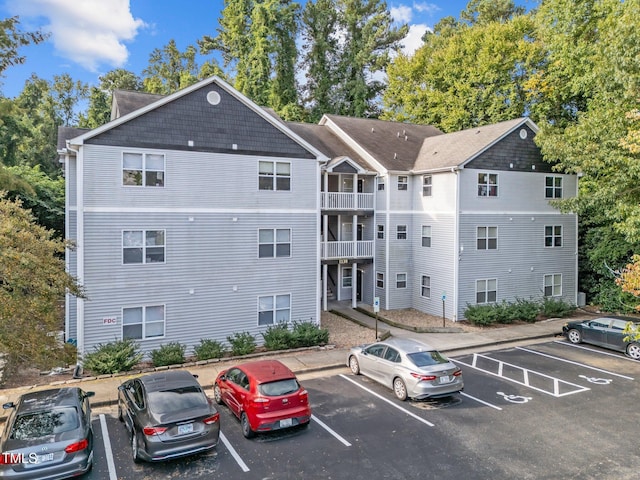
x,y
311,359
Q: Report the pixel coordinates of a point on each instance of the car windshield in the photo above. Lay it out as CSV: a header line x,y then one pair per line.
x,y
280,387
44,423
424,359
177,399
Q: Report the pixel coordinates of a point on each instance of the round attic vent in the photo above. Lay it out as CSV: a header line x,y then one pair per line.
x,y
213,98
523,133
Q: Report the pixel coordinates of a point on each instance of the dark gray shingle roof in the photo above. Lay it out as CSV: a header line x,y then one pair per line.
x,y
126,101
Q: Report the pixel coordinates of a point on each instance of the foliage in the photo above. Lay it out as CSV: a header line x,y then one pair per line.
x,y
308,334
12,39
170,70
33,282
526,310
481,315
632,332
278,337
242,343
209,349
113,357
610,297
171,353
555,307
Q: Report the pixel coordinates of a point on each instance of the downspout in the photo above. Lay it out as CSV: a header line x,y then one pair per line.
x,y
386,243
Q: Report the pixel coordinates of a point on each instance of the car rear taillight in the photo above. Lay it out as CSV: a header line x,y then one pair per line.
x,y
148,431
8,458
76,447
423,378
304,395
212,419
260,400
457,373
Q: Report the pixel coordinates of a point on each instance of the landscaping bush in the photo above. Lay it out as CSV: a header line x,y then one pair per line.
x,y
113,357
242,343
504,312
552,307
308,334
208,349
526,310
278,337
168,354
481,315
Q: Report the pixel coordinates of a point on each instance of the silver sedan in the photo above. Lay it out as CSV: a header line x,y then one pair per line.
x,y
412,369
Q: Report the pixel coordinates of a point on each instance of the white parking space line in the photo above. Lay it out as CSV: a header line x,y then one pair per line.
x,y
481,401
411,414
111,466
328,429
575,363
616,355
233,452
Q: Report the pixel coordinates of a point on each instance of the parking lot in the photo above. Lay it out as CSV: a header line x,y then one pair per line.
x,y
548,410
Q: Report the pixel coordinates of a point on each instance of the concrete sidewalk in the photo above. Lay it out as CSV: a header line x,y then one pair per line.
x,y
311,359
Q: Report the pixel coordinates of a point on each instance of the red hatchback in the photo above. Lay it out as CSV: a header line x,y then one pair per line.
x,y
265,395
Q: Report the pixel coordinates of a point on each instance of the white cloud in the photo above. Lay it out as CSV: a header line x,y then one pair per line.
x,y
429,8
401,14
88,32
413,40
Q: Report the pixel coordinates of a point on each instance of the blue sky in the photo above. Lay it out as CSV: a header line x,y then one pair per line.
x,y
91,37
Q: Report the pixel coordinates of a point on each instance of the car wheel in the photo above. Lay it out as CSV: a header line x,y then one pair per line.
x,y
217,394
633,350
246,427
574,336
354,365
400,389
134,447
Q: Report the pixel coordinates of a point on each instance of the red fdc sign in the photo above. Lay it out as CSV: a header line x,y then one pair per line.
x,y
109,321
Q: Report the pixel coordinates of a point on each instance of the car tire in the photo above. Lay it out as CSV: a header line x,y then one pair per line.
x,y
574,336
354,365
217,394
633,350
246,426
135,453
400,389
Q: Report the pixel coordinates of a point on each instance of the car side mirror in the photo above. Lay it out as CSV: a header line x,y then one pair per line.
x,y
89,394
8,405
121,387
223,378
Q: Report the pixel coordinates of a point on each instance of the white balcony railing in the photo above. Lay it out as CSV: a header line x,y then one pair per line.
x,y
360,249
347,201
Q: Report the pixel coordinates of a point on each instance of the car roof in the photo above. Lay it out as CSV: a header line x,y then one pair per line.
x,y
51,398
408,345
154,382
267,370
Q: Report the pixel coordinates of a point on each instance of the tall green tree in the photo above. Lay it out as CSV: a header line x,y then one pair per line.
x,y
12,39
170,70
67,94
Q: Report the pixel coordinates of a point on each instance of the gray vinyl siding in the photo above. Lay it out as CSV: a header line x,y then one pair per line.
x,y
400,261
70,175
380,258
213,257
399,199
521,259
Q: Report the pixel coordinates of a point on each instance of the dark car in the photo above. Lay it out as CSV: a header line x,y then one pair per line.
x,y
168,415
606,332
265,395
48,435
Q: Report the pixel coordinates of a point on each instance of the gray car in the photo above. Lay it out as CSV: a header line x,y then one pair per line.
x,y
412,369
48,435
168,415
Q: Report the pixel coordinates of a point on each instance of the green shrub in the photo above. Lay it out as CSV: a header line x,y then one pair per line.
x,y
526,310
113,357
504,312
208,349
278,337
308,334
242,343
611,298
168,354
552,307
481,315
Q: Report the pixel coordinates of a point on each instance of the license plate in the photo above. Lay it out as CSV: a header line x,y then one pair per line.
x,y
44,458
184,429
445,379
287,422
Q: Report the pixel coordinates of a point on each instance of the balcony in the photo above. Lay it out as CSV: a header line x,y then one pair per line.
x,y
347,201
335,250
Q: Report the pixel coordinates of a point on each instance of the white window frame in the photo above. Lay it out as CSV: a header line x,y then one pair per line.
x,y
425,286
427,185
380,186
281,313
401,232
379,280
380,232
426,236
484,234
347,277
145,323
144,169
401,280
483,287
487,188
144,246
403,182
274,175
552,236
554,190
552,281
275,243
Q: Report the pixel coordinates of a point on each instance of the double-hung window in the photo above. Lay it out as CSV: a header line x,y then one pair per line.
x,y
487,184
401,232
553,236
425,286
379,280
274,309
553,285
347,277
426,185
141,323
143,169
380,232
426,235
552,187
274,175
401,280
143,246
274,242
487,238
403,182
486,290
